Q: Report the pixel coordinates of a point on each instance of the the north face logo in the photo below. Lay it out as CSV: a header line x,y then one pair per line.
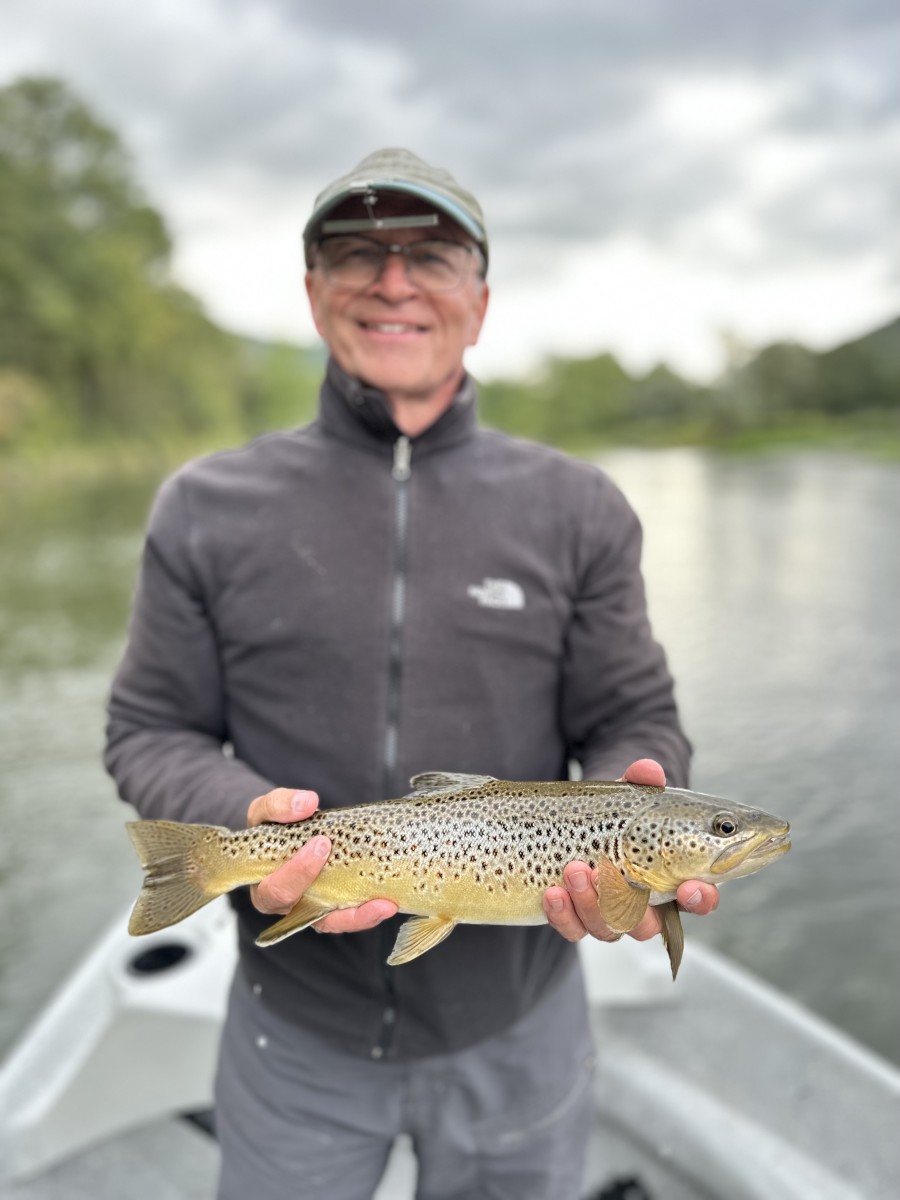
x,y
497,593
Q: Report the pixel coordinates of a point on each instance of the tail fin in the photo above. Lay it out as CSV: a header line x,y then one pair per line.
x,y
175,884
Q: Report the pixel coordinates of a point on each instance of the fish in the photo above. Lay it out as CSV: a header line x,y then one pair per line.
x,y
469,849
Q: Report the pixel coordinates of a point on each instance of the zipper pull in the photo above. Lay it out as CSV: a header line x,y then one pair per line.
x,y
402,454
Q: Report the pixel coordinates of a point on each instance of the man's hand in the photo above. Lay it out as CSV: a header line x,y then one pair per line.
x,y
280,891
572,910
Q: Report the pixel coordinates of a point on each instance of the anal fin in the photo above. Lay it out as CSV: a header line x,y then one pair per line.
x,y
622,904
672,933
303,914
417,935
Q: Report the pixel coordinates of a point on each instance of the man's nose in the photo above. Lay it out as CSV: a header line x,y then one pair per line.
x,y
393,281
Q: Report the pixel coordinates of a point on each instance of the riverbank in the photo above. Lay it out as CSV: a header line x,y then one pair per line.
x,y
869,435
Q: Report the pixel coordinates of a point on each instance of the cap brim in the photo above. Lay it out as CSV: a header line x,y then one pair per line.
x,y
444,203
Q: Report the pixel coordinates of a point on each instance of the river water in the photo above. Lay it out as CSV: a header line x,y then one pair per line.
x,y
773,583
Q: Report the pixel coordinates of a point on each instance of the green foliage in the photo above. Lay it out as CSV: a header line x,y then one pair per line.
x,y
784,393
98,345
23,405
281,385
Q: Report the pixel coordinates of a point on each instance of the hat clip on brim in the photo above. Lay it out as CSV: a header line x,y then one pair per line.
x,y
366,224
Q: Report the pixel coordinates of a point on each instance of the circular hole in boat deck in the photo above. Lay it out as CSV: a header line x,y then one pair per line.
x,y
162,957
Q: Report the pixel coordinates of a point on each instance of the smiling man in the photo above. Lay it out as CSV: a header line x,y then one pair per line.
x,y
398,307
329,611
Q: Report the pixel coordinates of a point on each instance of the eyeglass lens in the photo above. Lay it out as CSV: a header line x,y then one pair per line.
x,y
356,262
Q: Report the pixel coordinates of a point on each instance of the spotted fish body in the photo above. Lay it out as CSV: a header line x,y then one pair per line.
x,y
469,849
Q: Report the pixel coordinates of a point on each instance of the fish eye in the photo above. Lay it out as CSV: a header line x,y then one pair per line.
x,y
724,825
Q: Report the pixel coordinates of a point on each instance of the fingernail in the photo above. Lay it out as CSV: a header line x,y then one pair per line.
x,y
321,847
299,803
556,904
580,881
693,900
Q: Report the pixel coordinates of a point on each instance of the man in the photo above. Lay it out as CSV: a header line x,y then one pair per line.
x,y
333,609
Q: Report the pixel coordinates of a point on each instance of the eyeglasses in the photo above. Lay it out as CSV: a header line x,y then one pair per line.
x,y
432,265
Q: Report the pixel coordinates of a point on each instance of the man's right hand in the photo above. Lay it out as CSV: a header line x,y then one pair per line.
x,y
280,891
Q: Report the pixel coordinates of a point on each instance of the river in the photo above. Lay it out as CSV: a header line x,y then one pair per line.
x,y
772,582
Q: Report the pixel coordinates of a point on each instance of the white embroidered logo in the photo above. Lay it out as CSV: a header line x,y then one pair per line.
x,y
497,593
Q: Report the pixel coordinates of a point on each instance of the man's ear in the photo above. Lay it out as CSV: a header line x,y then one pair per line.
x,y
478,314
313,283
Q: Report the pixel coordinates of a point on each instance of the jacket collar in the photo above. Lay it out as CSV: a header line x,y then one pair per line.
x,y
355,412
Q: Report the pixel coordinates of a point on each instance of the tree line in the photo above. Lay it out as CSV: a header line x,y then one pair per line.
x,y
99,344
97,341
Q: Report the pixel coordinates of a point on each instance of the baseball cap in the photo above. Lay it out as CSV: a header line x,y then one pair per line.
x,y
397,170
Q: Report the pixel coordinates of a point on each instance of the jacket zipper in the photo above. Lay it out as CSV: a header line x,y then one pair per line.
x,y
401,470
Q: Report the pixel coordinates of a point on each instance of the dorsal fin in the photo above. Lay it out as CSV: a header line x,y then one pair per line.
x,y
445,783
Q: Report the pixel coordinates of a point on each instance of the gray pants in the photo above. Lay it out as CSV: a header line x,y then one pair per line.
x,y
507,1119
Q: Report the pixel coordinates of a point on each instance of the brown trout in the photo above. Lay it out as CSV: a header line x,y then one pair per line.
x,y
469,849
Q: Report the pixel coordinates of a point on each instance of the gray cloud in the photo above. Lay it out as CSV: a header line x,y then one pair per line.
x,y
549,110
551,113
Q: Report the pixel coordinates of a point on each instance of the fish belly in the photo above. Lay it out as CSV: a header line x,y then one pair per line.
x,y
427,891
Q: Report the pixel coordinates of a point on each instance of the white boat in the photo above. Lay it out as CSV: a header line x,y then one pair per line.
x,y
716,1088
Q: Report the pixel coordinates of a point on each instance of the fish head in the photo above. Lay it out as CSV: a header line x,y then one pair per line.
x,y
684,835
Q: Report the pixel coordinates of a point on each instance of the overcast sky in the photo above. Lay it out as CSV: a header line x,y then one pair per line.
x,y
658,176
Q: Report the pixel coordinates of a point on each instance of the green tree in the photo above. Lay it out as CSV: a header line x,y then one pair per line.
x,y
281,385
87,306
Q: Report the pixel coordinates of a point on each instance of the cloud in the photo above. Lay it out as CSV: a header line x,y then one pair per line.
x,y
727,140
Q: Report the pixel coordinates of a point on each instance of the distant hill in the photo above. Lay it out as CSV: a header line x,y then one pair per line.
x,y
882,344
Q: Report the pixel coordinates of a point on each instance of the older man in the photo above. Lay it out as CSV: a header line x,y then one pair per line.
x,y
391,590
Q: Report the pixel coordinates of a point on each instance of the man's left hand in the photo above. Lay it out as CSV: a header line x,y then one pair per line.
x,y
572,910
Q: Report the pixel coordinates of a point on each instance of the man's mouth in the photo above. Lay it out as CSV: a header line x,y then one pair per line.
x,y
392,327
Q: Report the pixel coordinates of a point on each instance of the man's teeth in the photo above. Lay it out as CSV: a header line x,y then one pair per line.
x,y
390,327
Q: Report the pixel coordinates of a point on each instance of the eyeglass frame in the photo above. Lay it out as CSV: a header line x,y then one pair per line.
x,y
403,250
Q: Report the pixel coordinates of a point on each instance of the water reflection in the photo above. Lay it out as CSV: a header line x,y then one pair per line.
x,y
773,585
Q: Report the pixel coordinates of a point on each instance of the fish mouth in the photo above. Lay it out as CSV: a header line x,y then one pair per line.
x,y
752,852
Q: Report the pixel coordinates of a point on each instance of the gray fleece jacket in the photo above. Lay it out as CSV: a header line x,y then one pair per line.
x,y
339,608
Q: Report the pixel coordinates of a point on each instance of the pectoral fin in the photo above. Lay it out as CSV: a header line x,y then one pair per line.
x,y
417,935
301,915
672,933
622,904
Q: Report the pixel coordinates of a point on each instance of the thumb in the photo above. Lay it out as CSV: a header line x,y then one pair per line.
x,y
282,804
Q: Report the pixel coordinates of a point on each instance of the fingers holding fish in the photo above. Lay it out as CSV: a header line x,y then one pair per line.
x,y
697,897
561,914
646,771
283,888
354,920
281,891
572,910
283,805
302,909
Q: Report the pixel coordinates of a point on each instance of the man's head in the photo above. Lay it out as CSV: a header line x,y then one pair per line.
x,y
396,254
379,175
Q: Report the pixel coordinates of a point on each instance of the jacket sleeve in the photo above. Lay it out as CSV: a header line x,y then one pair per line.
x,y
618,702
166,744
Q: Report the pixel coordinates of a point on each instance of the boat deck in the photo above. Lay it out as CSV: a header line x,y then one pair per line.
x,y
717,1088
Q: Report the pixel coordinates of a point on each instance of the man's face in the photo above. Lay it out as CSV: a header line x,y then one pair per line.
x,y
393,335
